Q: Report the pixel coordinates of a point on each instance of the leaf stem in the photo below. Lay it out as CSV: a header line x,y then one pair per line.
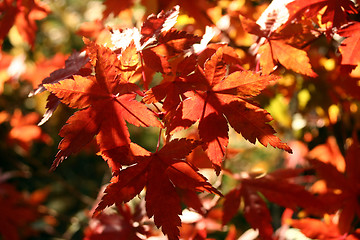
x,y
143,70
159,139
257,68
272,53
204,108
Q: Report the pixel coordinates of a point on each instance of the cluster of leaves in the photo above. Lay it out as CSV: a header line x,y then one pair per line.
x,y
196,87
15,204
199,95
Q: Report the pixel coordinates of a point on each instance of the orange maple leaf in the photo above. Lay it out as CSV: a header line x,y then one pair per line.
x,y
274,46
23,15
322,229
25,130
348,183
278,51
113,6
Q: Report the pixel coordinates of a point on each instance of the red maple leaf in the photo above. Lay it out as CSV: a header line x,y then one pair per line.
x,y
348,47
219,99
336,12
168,45
172,89
19,210
23,15
8,11
348,183
214,99
156,42
106,100
160,172
123,224
278,187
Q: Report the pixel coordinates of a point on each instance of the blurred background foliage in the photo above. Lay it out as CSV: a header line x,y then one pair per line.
x,y
56,205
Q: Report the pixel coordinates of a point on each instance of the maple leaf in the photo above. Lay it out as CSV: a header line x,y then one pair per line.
x,y
218,99
113,6
335,13
120,224
274,16
156,24
172,88
31,10
275,51
274,46
173,85
199,225
106,100
198,10
150,30
156,62
25,131
19,210
242,114
256,212
96,31
230,56
156,42
23,15
278,188
329,152
160,173
170,44
9,10
321,229
209,96
177,41
43,68
74,65
348,47
348,183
